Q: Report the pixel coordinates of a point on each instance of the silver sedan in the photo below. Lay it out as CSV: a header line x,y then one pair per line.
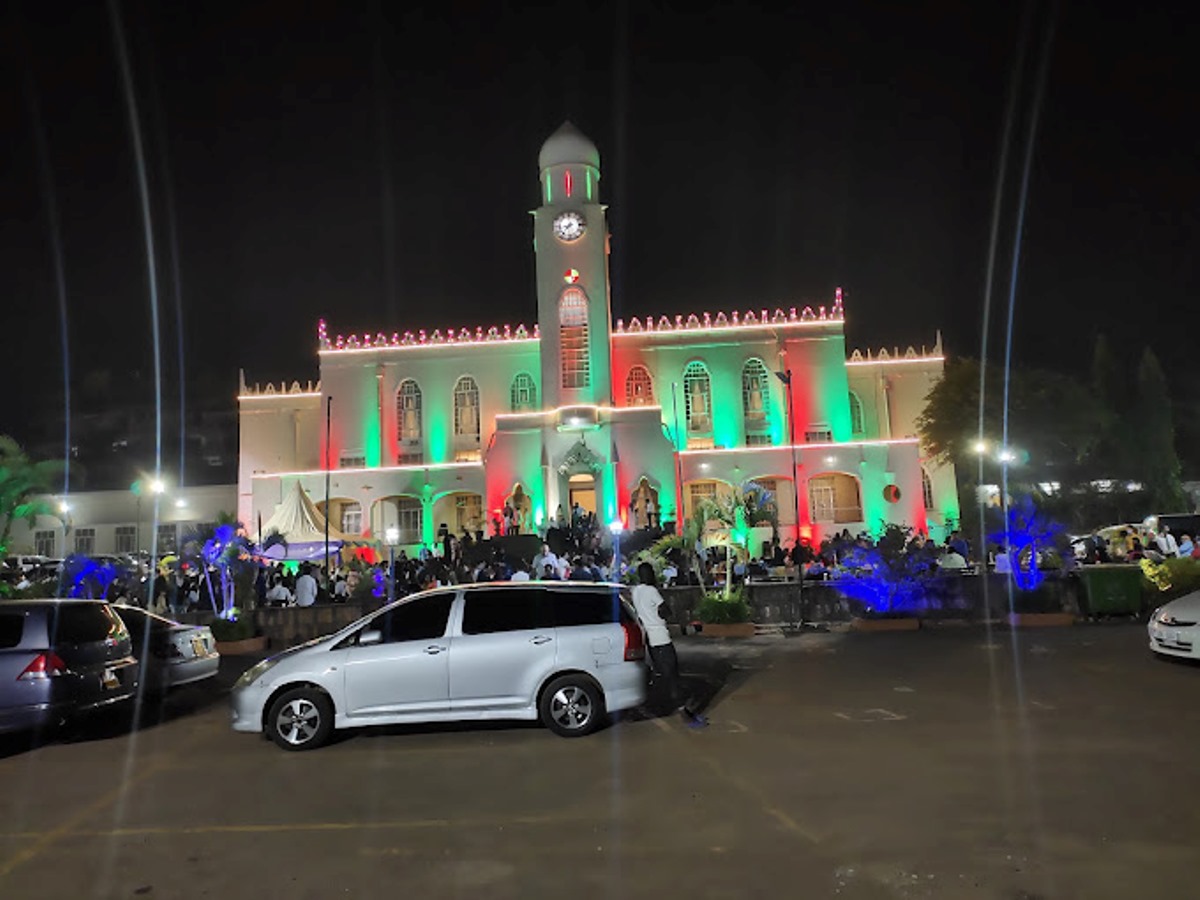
x,y
171,653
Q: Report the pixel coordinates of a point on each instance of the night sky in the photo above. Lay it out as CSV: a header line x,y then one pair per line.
x,y
375,166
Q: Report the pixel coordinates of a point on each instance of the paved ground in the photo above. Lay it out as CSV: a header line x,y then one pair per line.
x,y
949,764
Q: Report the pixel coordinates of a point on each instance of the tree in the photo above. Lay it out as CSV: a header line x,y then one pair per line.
x,y
1052,417
1158,462
225,548
737,511
23,484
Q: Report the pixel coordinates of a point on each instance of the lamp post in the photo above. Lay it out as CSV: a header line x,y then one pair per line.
x,y
616,526
391,535
786,377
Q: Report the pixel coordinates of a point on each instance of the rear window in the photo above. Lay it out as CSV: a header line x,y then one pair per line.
x,y
506,609
12,626
86,623
585,607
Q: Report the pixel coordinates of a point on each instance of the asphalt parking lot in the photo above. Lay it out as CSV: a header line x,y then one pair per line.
x,y
958,763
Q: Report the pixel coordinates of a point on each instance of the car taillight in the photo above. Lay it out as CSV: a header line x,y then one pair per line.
x,y
46,665
634,642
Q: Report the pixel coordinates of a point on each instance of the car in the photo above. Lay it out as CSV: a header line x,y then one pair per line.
x,y
59,658
1174,627
565,654
172,654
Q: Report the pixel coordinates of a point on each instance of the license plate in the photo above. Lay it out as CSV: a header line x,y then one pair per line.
x,y
198,646
110,679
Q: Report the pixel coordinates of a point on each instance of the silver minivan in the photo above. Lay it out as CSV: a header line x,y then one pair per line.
x,y
566,654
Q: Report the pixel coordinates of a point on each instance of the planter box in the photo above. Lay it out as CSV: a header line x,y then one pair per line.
x,y
242,648
1040,620
735,630
858,624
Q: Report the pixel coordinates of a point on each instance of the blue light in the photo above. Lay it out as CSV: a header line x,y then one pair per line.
x,y
1027,533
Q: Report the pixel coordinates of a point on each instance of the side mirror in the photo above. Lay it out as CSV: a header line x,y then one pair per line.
x,y
369,637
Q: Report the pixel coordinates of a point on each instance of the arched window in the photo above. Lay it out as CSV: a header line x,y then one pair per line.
x,y
573,338
524,393
856,415
755,387
697,398
351,517
639,389
408,412
926,490
466,409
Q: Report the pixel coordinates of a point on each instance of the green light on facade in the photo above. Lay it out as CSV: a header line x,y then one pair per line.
x,y
588,181
438,425
549,197
372,429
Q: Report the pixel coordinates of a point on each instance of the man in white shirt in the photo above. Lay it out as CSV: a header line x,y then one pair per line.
x,y
1167,545
520,573
306,589
664,662
279,595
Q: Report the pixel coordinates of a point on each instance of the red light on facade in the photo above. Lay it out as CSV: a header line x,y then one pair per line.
x,y
567,183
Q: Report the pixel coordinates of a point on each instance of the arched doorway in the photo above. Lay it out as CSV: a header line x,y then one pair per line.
x,y
644,510
581,489
835,498
522,507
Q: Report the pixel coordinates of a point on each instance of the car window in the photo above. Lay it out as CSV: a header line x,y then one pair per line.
x,y
86,623
585,607
506,609
418,620
12,626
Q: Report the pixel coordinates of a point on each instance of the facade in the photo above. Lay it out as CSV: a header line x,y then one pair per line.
x,y
428,428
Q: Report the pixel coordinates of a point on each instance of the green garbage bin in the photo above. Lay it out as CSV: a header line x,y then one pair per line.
x,y
1112,590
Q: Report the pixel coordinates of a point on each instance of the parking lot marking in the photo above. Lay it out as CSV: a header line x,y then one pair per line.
x,y
297,827
47,839
871,715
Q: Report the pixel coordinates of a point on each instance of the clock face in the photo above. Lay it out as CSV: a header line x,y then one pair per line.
x,y
569,226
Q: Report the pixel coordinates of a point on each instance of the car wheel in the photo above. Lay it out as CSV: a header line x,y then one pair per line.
x,y
300,719
572,706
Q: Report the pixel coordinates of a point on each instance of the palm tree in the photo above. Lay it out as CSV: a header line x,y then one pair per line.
x,y
224,547
737,511
23,484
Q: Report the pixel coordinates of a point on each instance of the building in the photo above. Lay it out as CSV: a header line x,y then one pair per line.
x,y
122,522
417,429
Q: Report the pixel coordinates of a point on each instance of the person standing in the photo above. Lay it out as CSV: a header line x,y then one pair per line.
x,y
651,514
1167,545
663,660
306,589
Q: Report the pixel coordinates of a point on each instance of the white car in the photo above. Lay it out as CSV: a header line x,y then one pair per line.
x,y
1173,627
565,654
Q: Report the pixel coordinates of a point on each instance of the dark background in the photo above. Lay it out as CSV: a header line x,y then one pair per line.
x,y
375,166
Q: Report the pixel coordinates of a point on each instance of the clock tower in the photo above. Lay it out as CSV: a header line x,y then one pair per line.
x,y
570,239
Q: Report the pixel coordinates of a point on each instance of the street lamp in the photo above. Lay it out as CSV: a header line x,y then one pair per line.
x,y
980,447
391,536
616,526
786,378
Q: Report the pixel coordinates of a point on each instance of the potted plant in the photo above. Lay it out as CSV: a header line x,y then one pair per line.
x,y
237,636
726,616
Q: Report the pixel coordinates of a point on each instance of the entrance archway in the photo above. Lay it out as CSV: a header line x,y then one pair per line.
x,y
644,511
522,508
581,489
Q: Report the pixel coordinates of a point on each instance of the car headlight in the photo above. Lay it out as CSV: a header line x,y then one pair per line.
x,y
255,672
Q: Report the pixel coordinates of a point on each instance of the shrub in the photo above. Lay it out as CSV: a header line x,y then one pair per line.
x,y
1170,579
715,609
226,631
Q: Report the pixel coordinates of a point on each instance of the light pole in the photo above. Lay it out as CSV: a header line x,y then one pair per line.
x,y
786,377
616,526
391,535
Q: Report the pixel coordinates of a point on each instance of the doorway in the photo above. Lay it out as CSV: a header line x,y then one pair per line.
x,y
582,490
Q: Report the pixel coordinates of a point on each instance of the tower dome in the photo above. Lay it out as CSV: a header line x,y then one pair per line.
x,y
568,146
